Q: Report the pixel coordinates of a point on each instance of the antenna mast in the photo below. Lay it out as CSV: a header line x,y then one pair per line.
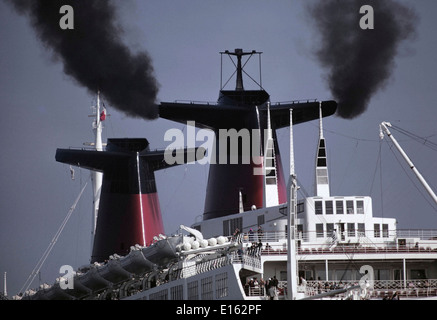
x,y
239,53
96,176
5,287
291,223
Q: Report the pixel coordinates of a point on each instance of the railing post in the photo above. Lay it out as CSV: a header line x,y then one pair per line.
x,y
405,274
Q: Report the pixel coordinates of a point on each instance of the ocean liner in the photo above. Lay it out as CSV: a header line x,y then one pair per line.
x,y
257,240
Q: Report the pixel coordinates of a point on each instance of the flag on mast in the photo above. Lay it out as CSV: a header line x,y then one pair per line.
x,y
103,113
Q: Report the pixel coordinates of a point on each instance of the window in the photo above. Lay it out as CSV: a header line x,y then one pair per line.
x,y
329,229
339,206
206,287
321,162
261,220
360,206
229,226
377,230
382,274
361,229
329,207
385,230
398,274
300,207
221,285
299,231
319,230
318,205
193,290
418,274
226,231
351,229
350,206
176,293
160,295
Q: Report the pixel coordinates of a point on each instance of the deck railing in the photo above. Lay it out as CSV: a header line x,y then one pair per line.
x,y
253,261
367,234
360,244
380,288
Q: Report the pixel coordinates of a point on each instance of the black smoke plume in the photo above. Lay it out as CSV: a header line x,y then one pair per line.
x,y
359,62
93,53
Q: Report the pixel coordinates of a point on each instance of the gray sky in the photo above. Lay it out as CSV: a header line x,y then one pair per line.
x,y
42,109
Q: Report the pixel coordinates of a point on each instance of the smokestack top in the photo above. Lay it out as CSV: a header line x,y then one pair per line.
x,y
127,144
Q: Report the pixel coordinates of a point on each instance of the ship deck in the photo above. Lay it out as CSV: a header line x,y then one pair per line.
x,y
384,254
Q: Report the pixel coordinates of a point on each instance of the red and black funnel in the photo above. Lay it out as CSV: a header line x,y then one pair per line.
x,y
241,109
129,211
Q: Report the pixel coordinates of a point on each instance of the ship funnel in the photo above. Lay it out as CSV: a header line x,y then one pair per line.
x,y
129,211
232,187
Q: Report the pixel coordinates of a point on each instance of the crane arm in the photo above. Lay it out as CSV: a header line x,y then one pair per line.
x,y
383,127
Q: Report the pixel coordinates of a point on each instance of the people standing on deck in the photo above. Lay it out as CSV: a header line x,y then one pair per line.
x,y
237,236
251,235
260,233
272,288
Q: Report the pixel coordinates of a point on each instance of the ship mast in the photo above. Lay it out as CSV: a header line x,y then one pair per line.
x,y
97,125
5,287
95,175
291,222
322,178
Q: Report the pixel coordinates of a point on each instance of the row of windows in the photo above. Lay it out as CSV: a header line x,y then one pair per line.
x,y
206,289
377,230
229,226
206,292
352,230
328,207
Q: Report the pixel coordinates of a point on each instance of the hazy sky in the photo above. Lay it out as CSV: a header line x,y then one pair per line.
x,y
42,110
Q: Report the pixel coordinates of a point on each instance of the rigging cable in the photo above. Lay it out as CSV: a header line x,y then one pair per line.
x,y
380,181
417,138
41,261
378,160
